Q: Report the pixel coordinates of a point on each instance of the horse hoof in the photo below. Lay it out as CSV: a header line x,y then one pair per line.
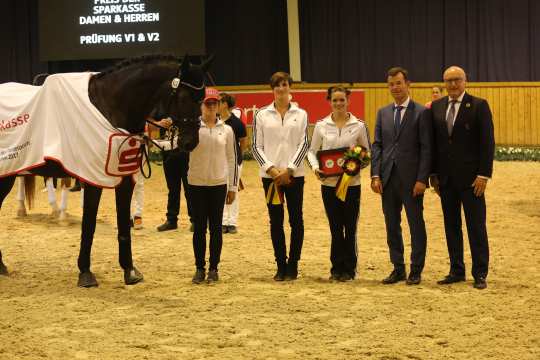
x,y
87,279
21,213
132,276
62,216
3,270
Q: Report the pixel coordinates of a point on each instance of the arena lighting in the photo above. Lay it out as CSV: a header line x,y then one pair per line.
x,y
108,29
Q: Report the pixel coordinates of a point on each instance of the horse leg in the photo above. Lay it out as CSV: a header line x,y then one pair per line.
x,y
21,210
6,184
51,195
123,204
63,200
92,196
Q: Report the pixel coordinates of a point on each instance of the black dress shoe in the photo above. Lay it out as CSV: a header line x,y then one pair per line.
x,y
346,277
232,229
132,276
224,229
281,272
334,276
199,276
480,283
292,271
212,276
395,277
167,226
414,279
450,279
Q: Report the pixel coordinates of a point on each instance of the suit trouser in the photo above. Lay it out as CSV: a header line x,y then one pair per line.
x,y
294,196
475,217
175,167
207,203
343,219
230,212
394,198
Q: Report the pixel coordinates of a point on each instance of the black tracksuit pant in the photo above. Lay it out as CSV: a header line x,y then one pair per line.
x,y
343,220
175,166
294,195
207,205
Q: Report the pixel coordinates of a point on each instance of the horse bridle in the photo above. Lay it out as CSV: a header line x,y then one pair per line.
x,y
174,129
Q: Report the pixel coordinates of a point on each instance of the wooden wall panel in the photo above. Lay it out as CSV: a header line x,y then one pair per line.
x,y
516,116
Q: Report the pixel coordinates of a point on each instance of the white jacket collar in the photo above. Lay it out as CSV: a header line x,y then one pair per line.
x,y
219,122
328,120
292,107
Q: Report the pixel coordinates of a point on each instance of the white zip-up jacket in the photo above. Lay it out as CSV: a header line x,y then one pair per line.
x,y
328,136
213,161
278,142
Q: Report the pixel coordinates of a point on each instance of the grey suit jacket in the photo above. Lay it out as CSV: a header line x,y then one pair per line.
x,y
409,151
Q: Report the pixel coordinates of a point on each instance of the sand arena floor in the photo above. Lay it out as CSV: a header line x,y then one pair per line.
x,y
247,315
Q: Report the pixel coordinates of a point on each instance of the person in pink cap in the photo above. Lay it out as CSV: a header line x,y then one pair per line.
x,y
212,184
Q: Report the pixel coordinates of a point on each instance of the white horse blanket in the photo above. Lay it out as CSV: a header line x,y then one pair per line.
x,y
58,122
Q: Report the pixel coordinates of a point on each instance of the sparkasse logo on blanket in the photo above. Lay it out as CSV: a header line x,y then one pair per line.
x,y
16,121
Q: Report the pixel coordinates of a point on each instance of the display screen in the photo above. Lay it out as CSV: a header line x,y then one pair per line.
x,y
105,29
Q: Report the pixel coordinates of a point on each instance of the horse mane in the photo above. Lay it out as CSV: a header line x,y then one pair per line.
x,y
139,60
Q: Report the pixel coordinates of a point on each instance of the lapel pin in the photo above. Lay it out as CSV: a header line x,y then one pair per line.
x,y
468,105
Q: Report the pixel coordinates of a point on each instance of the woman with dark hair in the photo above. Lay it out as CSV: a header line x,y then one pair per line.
x,y
340,129
280,144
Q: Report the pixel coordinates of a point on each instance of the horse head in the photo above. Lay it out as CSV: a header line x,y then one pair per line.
x,y
184,104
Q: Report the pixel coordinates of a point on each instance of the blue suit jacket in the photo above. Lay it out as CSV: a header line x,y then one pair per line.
x,y
410,150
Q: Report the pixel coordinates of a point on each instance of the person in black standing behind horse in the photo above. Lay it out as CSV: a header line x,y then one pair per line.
x,y
464,151
213,180
175,167
400,166
226,104
280,144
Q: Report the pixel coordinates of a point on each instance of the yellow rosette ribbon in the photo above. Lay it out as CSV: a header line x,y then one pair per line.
x,y
351,169
274,195
353,160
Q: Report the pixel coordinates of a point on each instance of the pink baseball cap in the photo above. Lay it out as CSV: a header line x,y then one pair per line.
x,y
211,94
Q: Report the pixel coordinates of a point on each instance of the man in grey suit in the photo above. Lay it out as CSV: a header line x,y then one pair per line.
x,y
400,167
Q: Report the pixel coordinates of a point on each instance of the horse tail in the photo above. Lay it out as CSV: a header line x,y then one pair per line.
x,y
66,182
30,189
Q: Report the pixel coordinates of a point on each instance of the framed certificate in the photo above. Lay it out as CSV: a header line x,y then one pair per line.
x,y
330,161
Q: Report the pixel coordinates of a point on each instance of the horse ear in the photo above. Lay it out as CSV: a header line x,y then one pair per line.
x,y
206,65
184,68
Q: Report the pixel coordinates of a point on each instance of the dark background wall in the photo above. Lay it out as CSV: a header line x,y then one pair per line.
x,y
340,40
349,40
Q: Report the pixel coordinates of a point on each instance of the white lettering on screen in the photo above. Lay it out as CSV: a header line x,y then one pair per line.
x,y
118,12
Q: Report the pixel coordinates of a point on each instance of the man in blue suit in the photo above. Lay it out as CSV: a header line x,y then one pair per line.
x,y
463,162
400,167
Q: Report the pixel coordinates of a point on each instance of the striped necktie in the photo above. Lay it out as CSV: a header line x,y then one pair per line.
x,y
450,117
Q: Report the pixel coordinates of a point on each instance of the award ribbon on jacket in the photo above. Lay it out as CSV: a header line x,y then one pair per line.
x,y
274,195
354,159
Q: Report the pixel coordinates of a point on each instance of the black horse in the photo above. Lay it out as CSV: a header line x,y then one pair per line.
x,y
127,95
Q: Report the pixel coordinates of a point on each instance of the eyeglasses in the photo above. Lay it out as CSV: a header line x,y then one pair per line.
x,y
453,80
